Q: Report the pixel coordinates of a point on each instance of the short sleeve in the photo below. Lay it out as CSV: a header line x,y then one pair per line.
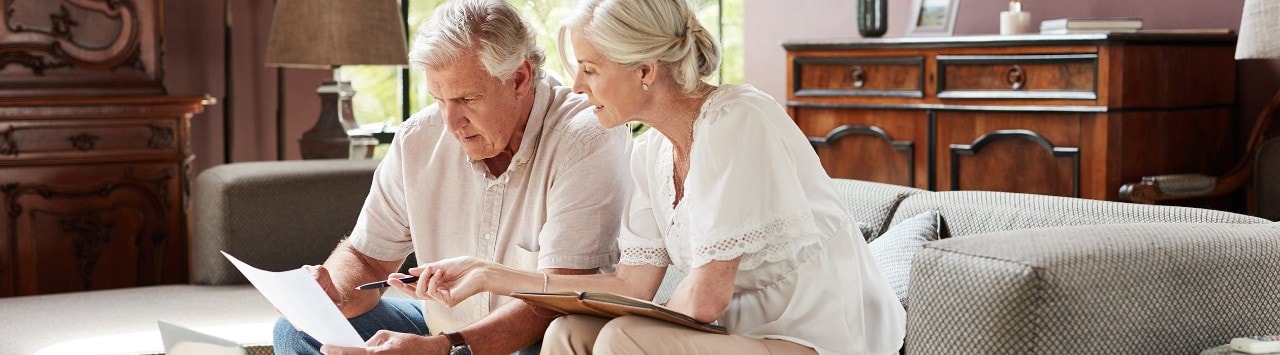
x,y
585,200
640,240
744,193
382,230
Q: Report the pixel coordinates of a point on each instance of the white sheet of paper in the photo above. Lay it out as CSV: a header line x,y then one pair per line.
x,y
301,300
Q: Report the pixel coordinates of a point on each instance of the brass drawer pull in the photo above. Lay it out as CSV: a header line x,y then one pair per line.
x,y
1017,77
858,76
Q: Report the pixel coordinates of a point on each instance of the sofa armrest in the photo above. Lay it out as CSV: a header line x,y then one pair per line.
x,y
275,215
1131,288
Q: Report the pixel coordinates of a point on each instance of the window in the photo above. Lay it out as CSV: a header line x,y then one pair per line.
x,y
385,96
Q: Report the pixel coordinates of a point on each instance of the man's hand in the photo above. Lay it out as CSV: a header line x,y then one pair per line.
x,y
326,282
389,342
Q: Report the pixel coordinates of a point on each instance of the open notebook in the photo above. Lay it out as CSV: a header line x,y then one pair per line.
x,y
179,340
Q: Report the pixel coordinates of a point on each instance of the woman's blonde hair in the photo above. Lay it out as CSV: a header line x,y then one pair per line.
x,y
632,32
503,39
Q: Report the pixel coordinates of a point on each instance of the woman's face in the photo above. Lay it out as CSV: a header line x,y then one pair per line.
x,y
615,91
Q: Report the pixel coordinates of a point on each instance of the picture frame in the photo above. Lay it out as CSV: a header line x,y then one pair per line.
x,y
932,17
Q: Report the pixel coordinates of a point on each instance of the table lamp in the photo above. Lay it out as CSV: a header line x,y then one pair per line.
x,y
326,34
1258,24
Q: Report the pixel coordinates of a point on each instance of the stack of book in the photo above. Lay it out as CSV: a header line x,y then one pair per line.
x,y
1090,25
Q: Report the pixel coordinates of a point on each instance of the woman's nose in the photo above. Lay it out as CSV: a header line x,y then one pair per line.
x,y
578,86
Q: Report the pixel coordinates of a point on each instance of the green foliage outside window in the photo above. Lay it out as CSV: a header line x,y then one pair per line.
x,y
378,89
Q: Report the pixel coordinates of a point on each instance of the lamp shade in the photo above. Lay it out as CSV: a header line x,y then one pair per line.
x,y
328,33
1260,21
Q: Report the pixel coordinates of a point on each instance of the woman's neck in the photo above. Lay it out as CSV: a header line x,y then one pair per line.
x,y
675,119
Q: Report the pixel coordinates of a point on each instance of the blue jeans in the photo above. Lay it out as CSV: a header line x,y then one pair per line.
x,y
394,314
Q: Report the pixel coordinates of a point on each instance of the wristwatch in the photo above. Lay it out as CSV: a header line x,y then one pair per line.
x,y
459,345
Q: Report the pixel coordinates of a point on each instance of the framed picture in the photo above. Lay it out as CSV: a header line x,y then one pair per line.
x,y
932,17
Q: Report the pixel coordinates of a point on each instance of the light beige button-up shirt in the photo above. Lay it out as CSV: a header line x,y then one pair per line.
x,y
558,205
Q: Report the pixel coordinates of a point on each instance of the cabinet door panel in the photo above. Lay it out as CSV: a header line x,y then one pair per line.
x,y
1010,152
70,234
887,146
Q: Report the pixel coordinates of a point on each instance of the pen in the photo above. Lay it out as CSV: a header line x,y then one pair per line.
x,y
383,283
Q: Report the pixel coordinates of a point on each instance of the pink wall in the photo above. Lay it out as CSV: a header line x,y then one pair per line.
x,y
769,23
194,65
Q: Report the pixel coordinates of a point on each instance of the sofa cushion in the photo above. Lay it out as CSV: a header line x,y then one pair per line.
x,y
872,203
894,249
260,211
975,212
1154,288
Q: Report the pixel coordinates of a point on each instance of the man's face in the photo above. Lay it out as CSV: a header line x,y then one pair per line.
x,y
480,111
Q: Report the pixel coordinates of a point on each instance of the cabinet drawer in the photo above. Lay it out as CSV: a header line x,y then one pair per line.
x,y
1057,76
842,76
88,138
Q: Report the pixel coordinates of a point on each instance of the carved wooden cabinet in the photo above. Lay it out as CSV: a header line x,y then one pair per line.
x,y
93,153
1068,115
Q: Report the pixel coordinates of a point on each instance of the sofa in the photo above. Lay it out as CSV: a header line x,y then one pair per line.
x,y
1011,273
1030,274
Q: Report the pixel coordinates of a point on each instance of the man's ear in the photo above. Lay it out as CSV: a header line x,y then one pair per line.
x,y
522,78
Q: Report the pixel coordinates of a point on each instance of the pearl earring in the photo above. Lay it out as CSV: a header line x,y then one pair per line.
x,y
644,87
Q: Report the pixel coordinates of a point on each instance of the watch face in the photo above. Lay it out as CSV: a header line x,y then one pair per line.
x,y
460,350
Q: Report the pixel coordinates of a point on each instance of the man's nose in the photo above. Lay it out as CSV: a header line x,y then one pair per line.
x,y
452,116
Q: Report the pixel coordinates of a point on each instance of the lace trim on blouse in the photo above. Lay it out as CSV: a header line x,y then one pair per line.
x,y
641,251
772,240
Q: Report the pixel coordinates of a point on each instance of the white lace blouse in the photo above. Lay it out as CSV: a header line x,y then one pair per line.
x,y
756,190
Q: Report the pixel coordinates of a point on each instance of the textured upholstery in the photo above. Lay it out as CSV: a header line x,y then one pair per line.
x,y
895,249
872,203
1266,180
1127,289
974,212
274,215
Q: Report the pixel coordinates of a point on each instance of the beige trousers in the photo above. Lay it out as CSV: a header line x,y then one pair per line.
x,y
580,334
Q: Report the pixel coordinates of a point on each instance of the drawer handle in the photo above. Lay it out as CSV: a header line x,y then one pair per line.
x,y
858,76
1017,77
83,141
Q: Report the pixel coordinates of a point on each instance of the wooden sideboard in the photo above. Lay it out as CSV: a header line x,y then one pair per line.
x,y
94,155
1067,115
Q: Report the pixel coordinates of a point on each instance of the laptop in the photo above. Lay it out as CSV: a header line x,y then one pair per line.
x,y
179,340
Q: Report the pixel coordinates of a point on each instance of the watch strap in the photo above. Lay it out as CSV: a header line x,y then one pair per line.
x,y
455,339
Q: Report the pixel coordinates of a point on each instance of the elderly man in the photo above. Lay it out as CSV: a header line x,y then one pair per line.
x,y
506,166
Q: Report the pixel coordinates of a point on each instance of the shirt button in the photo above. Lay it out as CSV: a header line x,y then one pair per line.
x,y
488,236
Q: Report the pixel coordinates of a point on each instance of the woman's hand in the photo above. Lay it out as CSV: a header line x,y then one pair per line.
x,y
448,281
389,342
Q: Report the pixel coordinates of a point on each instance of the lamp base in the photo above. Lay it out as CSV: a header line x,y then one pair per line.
x,y
328,138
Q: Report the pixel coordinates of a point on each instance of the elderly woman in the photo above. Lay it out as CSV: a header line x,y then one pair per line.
x,y
727,190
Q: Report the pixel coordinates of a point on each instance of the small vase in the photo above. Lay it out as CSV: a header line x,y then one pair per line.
x,y
873,17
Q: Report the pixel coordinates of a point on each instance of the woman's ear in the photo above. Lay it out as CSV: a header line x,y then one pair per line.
x,y
647,72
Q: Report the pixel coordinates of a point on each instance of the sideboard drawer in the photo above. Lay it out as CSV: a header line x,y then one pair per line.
x,y
1054,76
79,138
843,76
